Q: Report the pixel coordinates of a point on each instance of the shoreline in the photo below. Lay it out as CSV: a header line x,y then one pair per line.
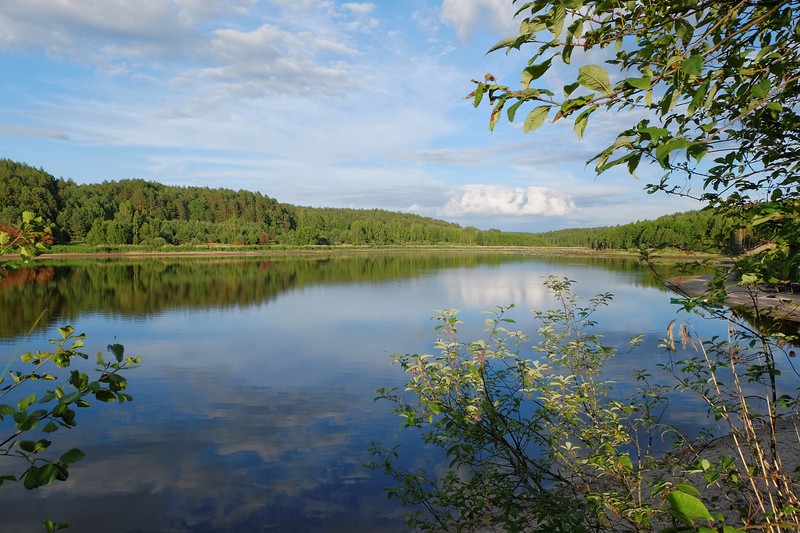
x,y
336,250
758,300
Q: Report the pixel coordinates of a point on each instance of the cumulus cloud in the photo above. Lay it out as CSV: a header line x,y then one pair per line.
x,y
501,200
465,15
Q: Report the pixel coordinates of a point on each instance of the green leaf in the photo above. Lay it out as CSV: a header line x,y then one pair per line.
x,y
761,89
39,476
508,42
26,402
51,526
566,53
118,350
569,89
698,151
693,66
668,102
478,95
633,163
26,445
749,279
653,133
532,26
580,125
639,83
534,72
582,120
34,446
511,112
104,395
595,78
555,22
72,456
688,489
663,151
536,118
698,97
687,508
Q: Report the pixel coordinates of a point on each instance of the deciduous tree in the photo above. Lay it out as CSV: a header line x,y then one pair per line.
x,y
707,91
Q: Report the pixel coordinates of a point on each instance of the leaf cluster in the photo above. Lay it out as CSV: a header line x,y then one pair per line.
x,y
29,417
535,439
55,408
27,240
538,439
716,83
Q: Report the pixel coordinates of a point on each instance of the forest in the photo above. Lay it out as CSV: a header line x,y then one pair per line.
x,y
147,213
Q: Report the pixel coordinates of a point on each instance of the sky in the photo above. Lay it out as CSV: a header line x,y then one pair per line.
x,y
317,103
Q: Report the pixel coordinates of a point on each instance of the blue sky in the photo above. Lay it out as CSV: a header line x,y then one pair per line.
x,y
320,103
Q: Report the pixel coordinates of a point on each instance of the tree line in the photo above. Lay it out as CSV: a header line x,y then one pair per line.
x,y
136,211
702,230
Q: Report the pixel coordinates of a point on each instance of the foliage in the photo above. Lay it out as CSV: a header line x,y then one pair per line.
x,y
28,415
709,89
694,231
738,380
149,213
533,439
55,409
27,240
538,439
153,215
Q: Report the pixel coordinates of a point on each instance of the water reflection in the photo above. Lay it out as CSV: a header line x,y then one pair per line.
x,y
254,407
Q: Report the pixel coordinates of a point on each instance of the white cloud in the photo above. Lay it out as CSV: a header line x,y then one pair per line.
x,y
359,8
269,59
230,39
465,15
93,29
315,102
498,199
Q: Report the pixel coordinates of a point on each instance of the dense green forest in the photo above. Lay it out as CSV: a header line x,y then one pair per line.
x,y
152,214
694,230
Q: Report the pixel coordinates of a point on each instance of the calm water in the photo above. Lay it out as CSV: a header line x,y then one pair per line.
x,y
254,405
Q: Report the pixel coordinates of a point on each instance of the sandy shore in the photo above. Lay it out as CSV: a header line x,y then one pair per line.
x,y
781,305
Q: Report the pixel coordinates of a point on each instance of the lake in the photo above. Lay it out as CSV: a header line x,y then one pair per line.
x,y
253,408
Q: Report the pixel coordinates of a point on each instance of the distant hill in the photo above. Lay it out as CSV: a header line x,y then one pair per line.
x,y
150,213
